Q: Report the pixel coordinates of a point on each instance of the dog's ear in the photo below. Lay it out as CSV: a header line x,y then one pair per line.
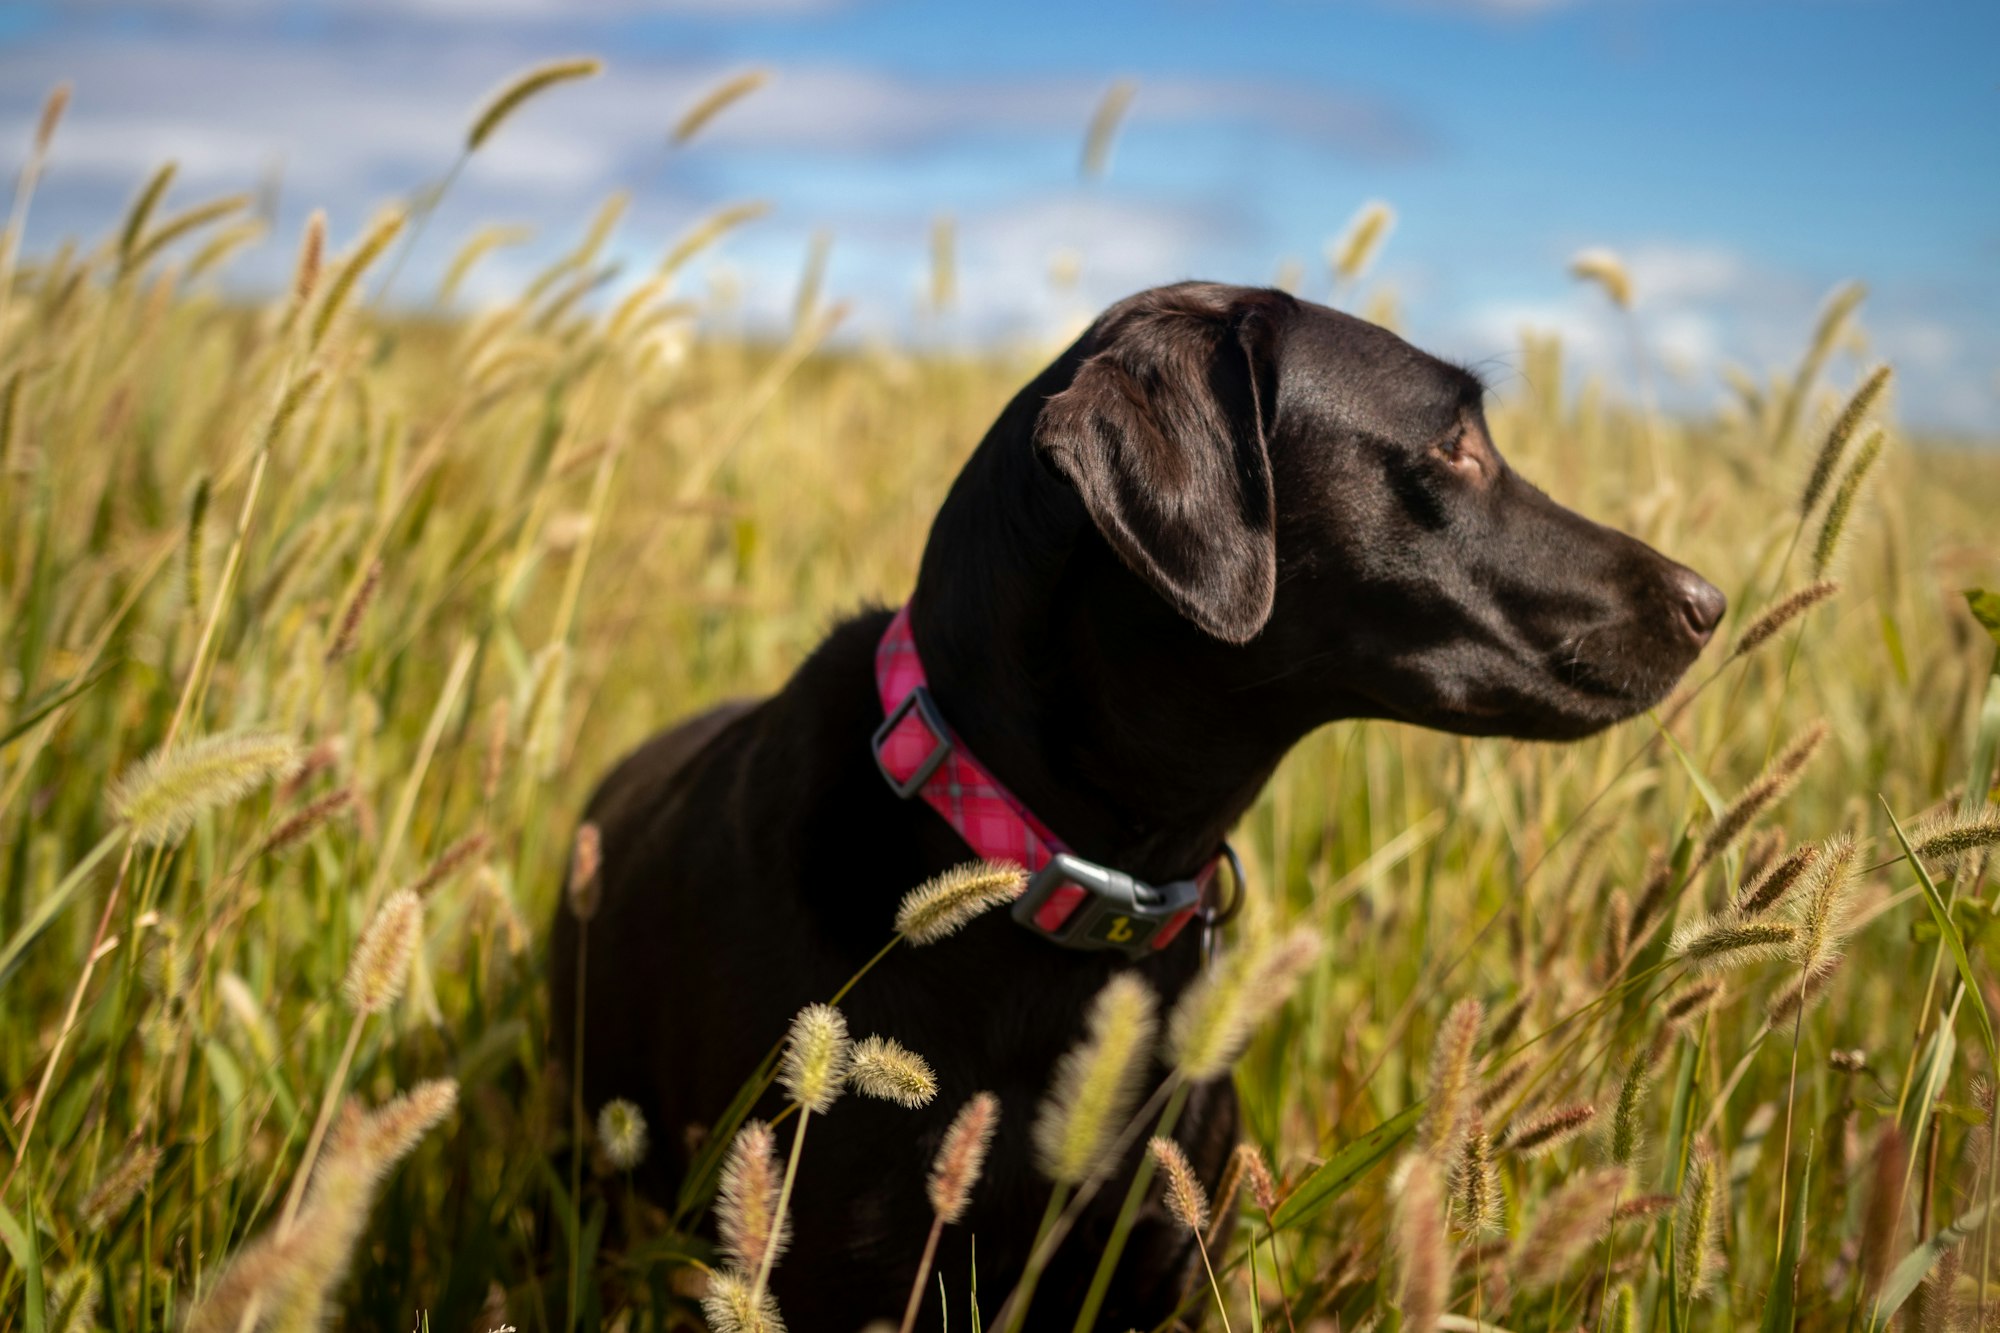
x,y
1162,432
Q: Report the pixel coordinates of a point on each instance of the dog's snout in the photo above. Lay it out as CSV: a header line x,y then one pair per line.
x,y
1700,602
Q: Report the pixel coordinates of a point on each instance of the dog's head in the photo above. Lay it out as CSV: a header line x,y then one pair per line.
x,y
1313,488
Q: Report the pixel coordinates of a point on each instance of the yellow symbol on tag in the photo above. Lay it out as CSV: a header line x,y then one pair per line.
x,y
1121,930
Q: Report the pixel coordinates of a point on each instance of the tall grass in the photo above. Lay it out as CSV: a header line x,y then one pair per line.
x,y
317,617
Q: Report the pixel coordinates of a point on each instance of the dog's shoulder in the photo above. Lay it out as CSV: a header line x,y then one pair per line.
x,y
832,690
636,786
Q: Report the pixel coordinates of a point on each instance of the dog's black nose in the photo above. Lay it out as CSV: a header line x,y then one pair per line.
x,y
1701,604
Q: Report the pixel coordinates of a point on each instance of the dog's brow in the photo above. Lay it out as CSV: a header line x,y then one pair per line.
x,y
1471,384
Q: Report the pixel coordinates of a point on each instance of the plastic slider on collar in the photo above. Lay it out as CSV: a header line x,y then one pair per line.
x,y
1082,905
917,701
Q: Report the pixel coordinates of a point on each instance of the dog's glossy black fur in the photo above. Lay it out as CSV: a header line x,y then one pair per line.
x,y
1223,518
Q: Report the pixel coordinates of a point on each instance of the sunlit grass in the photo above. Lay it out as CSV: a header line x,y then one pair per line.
x,y
306,607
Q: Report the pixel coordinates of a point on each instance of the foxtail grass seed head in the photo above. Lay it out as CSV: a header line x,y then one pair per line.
x,y
746,1199
1761,851
1939,1307
1627,1118
1826,332
1764,791
480,244
451,861
1698,1225
1835,445
942,906
1949,837
1096,1082
1185,1199
291,1275
196,555
1217,1016
1690,1002
1475,1181
1544,1132
1820,909
709,230
1848,1062
1617,922
715,101
307,820
373,243
1608,271
141,212
1567,1225
1496,1088
1103,131
1841,507
73,1296
1417,1243
1501,1031
586,864
732,1305
621,1132
1782,613
1719,942
511,95
1622,1314
1652,893
312,253
52,114
348,633
113,1194
1257,1173
1803,989
1645,1206
159,799
962,1156
816,1055
372,1142
223,244
1358,246
185,223
289,402
884,1068
381,963
1449,1093
1770,888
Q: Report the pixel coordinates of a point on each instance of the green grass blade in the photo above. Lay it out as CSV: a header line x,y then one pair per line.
x,y
23,1244
52,699
1780,1304
1337,1174
1949,929
49,908
1908,1275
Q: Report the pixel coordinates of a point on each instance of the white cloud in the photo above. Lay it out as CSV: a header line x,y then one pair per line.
x,y
1668,273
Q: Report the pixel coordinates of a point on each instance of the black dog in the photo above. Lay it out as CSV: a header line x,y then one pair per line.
x,y
1221,519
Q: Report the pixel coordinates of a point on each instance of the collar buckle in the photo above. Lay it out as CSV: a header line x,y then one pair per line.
x,y
1082,905
918,701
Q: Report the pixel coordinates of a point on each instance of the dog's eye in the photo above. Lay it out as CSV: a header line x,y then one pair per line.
x,y
1458,452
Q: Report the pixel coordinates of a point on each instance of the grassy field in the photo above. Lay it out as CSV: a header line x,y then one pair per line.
x,y
387,595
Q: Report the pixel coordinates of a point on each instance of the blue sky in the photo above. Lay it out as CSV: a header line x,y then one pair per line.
x,y
1744,156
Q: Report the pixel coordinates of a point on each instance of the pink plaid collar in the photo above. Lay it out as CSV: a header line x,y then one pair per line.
x,y
920,756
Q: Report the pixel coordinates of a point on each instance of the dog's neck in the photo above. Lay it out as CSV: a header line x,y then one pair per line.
x,y
1121,725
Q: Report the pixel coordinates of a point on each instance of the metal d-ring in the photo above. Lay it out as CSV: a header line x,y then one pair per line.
x,y
1213,919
